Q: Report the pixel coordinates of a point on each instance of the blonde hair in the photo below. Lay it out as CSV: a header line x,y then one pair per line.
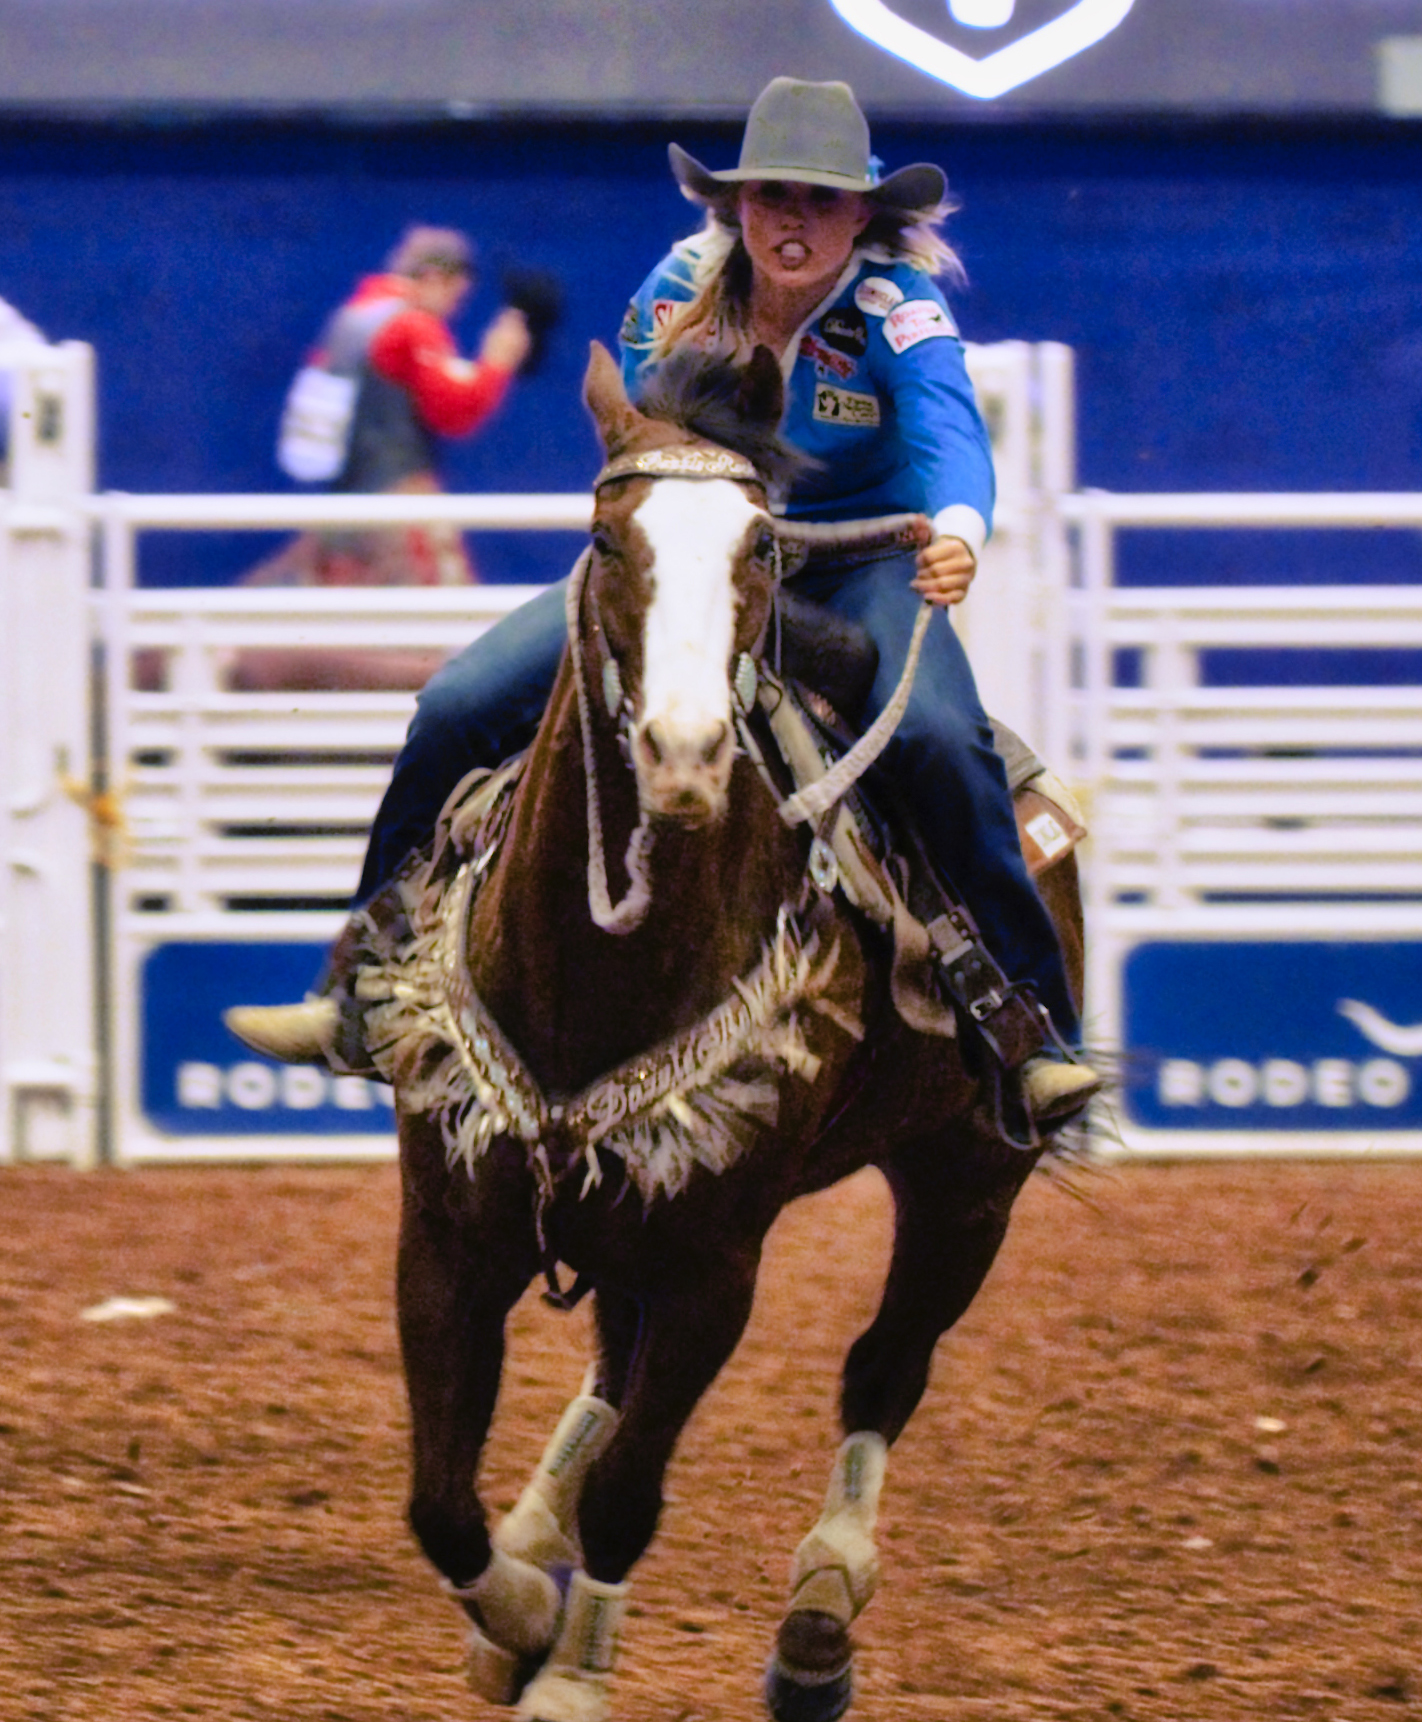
x,y
717,317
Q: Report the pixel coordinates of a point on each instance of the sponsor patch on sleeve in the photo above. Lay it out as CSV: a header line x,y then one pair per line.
x,y
826,361
877,296
917,320
843,407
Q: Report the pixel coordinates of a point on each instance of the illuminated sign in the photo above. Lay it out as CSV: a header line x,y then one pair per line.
x,y
1080,27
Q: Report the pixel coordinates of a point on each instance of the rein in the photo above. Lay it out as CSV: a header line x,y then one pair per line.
x,y
816,799
626,916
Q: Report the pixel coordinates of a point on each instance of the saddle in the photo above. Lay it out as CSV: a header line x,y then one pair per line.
x,y
871,847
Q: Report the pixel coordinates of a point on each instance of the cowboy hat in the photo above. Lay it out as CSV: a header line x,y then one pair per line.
x,y
811,134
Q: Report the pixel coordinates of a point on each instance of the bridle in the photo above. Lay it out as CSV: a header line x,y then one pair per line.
x,y
809,805
656,463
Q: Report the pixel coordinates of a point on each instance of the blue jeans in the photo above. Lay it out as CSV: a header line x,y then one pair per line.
x,y
485,704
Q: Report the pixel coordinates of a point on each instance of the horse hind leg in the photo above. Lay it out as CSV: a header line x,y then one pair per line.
x,y
835,1573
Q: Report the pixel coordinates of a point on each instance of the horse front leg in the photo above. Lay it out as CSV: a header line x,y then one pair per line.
x,y
458,1275
683,1340
946,1235
543,1526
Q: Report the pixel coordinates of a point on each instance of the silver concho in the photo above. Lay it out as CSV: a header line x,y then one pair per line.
x,y
612,694
746,682
824,869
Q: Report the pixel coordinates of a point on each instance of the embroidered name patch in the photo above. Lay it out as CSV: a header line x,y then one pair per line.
x,y
841,407
914,321
877,296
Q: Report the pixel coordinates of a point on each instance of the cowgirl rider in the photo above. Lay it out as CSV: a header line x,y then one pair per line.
x,y
806,252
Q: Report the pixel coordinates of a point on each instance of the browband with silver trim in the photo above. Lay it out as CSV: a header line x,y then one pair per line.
x,y
680,463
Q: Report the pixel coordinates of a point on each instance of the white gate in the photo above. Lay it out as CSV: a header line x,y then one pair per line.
x,y
1255,875
49,1036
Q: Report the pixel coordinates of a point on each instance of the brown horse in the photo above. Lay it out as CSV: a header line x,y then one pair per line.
x,y
630,1066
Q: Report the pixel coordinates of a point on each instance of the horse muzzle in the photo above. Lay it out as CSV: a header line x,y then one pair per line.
x,y
683,773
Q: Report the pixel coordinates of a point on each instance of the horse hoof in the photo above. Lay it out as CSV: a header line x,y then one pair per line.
x,y
496,1675
810,1675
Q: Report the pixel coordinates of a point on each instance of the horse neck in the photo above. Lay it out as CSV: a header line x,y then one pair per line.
x,y
576,1000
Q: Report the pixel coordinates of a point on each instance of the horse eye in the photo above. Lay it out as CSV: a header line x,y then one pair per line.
x,y
765,544
602,541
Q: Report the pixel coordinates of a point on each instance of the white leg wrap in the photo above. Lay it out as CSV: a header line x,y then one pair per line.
x,y
517,1603
543,1527
572,1685
836,1570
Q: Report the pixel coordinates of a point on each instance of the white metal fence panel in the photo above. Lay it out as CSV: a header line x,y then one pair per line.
x,y
49,1065
1255,874
246,820
1013,620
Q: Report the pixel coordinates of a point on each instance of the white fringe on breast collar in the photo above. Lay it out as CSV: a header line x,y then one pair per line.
x,y
699,1098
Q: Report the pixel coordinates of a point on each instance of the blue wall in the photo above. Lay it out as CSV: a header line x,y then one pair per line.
x,y
1245,300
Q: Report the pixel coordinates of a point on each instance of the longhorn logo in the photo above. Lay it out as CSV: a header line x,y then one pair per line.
x,y
1400,1039
1079,27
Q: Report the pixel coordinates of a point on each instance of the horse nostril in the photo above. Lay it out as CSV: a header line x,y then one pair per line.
x,y
712,749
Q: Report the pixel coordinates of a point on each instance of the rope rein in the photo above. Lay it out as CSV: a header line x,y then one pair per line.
x,y
816,799
626,916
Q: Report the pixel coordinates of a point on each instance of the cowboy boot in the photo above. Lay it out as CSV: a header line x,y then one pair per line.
x,y
1056,1090
328,1026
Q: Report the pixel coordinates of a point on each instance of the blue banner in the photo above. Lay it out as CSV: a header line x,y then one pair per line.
x,y
198,1080
1308,1036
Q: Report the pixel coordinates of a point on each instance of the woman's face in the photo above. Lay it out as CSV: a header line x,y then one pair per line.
x,y
800,235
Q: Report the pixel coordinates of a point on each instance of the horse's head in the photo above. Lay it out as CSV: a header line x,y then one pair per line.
x,y
683,569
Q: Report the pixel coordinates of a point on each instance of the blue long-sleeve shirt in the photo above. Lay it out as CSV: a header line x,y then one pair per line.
x,y
877,392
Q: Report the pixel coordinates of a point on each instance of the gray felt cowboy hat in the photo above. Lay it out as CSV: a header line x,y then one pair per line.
x,y
813,134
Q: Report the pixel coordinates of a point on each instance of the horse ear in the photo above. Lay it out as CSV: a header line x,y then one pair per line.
x,y
761,396
606,398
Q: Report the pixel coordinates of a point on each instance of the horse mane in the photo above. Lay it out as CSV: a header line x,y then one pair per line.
x,y
702,394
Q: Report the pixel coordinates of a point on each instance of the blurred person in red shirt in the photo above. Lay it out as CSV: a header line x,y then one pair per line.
x,y
366,415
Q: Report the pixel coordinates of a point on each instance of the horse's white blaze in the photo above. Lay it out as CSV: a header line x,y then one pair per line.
x,y
694,528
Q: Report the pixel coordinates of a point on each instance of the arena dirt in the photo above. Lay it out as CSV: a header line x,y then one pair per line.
x,y
1168,1466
